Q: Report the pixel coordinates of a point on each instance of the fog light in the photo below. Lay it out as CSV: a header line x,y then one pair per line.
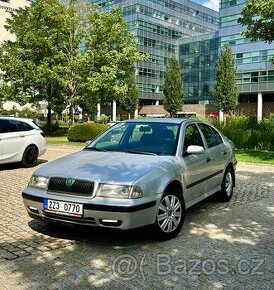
x,y
109,221
106,222
33,209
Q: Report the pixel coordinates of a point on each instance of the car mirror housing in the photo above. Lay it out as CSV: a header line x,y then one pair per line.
x,y
195,149
88,142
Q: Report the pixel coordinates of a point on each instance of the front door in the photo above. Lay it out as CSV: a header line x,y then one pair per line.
x,y
196,166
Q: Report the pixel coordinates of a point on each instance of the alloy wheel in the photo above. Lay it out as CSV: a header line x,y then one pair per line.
x,y
169,213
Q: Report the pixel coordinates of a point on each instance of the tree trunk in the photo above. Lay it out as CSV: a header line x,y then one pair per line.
x,y
71,115
221,116
49,116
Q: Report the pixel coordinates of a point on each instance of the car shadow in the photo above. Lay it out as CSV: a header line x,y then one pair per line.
x,y
18,165
96,235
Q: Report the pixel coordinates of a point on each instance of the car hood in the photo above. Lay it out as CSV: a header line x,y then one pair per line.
x,y
104,167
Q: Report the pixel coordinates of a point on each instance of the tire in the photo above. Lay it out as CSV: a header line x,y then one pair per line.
x,y
170,215
227,185
30,157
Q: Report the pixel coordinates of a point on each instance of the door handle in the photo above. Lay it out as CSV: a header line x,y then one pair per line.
x,y
208,159
22,136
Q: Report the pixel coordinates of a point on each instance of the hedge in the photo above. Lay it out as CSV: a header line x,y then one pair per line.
x,y
246,133
86,131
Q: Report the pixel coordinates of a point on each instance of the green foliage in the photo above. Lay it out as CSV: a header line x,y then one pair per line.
x,y
129,101
246,133
173,87
114,50
25,113
258,17
102,119
225,92
85,132
30,65
53,129
67,52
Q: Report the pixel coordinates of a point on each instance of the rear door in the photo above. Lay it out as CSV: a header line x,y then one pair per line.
x,y
217,154
15,136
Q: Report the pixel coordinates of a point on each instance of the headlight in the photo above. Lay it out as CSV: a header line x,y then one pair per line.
x,y
119,191
38,181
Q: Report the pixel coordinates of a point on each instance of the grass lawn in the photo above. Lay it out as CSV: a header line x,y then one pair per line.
x,y
63,141
241,155
255,156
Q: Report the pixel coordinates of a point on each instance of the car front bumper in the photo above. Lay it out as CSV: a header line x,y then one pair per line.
x,y
121,214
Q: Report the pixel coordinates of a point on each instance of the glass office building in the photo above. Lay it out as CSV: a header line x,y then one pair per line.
x,y
160,25
255,72
195,34
198,56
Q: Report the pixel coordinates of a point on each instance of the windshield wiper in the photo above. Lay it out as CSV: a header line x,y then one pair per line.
x,y
95,149
138,152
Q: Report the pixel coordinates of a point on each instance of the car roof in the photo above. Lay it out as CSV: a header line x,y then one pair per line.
x,y
15,118
158,120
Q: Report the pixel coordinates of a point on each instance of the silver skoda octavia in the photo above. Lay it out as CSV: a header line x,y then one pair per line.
x,y
137,173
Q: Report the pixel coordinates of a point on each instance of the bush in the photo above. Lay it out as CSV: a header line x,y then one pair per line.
x,y
86,131
53,129
246,133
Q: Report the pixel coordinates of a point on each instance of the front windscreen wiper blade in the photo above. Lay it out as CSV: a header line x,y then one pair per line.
x,y
95,149
138,152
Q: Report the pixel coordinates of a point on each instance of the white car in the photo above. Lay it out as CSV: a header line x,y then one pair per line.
x,y
21,140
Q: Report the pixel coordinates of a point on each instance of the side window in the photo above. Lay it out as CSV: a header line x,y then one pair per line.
x,y
7,126
192,137
22,126
212,137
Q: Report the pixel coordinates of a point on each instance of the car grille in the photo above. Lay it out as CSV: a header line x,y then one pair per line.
x,y
75,186
63,218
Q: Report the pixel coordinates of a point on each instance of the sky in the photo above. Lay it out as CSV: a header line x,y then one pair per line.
x,y
213,4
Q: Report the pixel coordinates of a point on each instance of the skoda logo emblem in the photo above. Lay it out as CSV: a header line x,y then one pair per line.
x,y
69,181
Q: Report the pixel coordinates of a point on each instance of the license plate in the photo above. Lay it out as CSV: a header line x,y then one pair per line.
x,y
64,208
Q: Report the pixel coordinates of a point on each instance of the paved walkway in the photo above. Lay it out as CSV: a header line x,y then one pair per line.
x,y
221,246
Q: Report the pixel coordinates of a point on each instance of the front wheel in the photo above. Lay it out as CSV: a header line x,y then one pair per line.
x,y
170,216
227,185
30,156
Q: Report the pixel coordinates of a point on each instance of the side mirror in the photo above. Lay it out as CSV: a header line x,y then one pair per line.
x,y
195,149
88,142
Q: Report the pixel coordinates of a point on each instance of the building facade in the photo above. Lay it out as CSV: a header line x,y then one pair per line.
x,y
198,56
160,25
255,72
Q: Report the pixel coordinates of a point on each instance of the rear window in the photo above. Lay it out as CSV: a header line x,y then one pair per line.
x,y
212,136
9,126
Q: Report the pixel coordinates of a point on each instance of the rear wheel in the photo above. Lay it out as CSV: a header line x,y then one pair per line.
x,y
30,156
170,216
227,185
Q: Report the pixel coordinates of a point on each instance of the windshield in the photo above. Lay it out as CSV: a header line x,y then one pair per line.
x,y
139,138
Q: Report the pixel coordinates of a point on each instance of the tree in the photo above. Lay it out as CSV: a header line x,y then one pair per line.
x,y
173,87
67,52
31,64
225,92
258,16
78,63
114,51
129,101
